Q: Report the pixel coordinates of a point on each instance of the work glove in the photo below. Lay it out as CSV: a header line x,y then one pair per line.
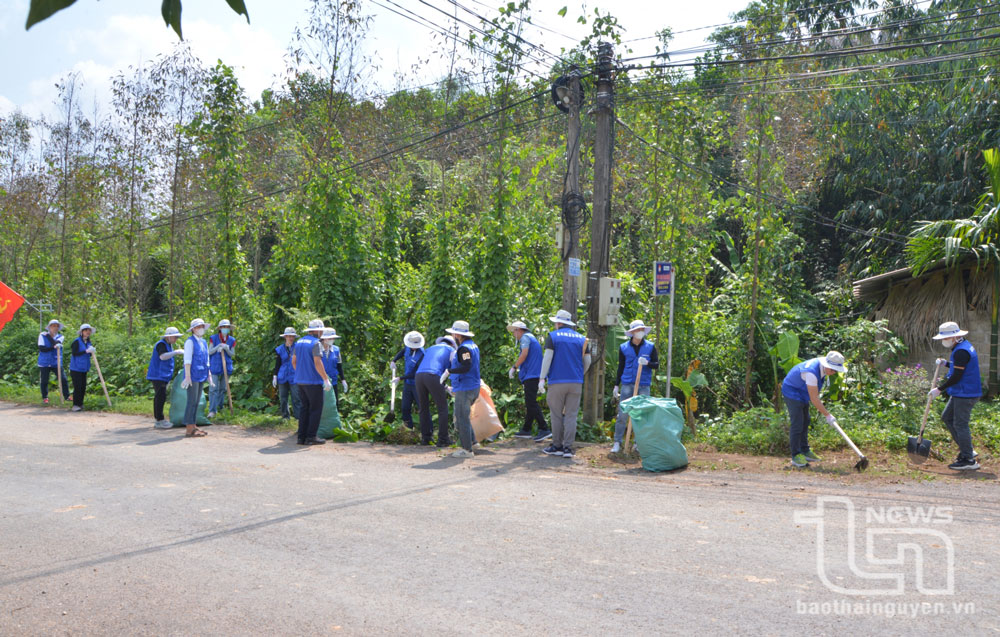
x,y
541,386
343,384
939,362
91,349
934,393
58,346
444,376
177,352
274,381
614,392
211,381
393,382
643,361
392,366
511,372
185,383
830,420
450,391
327,385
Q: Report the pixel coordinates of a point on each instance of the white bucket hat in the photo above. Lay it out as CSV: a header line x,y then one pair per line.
x,y
637,325
171,331
86,326
461,328
447,340
562,316
224,323
833,360
315,324
54,322
413,340
949,330
289,331
197,323
329,334
517,325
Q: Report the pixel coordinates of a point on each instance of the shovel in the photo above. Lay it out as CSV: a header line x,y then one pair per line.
x,y
104,385
62,398
918,448
391,416
862,464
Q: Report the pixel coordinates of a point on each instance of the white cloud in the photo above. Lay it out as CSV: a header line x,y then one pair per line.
x,y
6,106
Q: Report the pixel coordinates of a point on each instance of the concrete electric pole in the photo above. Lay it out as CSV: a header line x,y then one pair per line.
x,y
573,204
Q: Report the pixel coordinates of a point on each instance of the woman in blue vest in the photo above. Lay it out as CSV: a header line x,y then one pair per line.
x,y
221,347
564,364
79,363
964,387
283,376
195,374
465,384
528,368
312,380
631,354
50,358
160,372
412,353
331,359
800,389
429,376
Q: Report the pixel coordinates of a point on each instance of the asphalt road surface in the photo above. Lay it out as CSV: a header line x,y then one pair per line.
x,y
108,526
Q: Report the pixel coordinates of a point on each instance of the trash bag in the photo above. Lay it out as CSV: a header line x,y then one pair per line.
x,y
658,424
483,415
178,403
330,420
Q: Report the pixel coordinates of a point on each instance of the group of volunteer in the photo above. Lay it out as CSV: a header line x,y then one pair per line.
x,y
308,367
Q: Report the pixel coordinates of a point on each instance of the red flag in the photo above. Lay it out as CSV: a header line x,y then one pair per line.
x,y
10,302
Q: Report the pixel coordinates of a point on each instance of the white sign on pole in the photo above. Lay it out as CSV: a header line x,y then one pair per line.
x,y
574,267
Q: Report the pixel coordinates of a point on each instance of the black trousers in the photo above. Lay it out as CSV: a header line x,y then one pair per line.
x,y
45,372
159,399
310,410
429,388
532,410
79,387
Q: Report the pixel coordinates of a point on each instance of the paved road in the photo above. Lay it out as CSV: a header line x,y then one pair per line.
x,y
110,527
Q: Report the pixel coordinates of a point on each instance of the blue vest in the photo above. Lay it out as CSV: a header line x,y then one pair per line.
x,y
971,385
470,379
286,373
161,370
795,388
305,368
199,360
80,363
216,362
632,363
437,358
48,359
330,360
410,359
567,357
532,365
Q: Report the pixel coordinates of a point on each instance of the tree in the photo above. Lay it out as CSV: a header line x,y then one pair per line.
x,y
170,10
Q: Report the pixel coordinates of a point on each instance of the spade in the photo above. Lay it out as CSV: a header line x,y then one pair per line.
x,y
917,447
391,416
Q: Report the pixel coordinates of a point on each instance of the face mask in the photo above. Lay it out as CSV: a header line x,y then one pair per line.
x,y
225,331
199,331
948,343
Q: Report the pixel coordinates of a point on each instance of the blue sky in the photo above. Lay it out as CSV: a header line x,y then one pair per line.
x,y
99,38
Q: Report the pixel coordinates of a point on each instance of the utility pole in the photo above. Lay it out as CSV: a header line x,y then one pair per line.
x,y
572,202
600,229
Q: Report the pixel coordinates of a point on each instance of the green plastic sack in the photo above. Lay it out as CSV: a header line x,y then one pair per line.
x,y
330,420
658,424
179,401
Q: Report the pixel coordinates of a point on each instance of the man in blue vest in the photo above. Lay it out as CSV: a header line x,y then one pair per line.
x,y
412,353
79,363
221,347
632,354
312,380
430,375
565,361
50,358
196,372
964,387
528,368
160,372
800,389
283,375
465,384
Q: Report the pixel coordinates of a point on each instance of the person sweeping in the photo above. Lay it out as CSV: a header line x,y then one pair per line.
x,y
162,363
800,389
528,368
564,363
79,364
632,354
430,386
964,388
283,375
312,380
221,346
50,359
465,384
196,372
412,354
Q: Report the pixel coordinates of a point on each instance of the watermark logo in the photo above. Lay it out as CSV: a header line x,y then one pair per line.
x,y
889,551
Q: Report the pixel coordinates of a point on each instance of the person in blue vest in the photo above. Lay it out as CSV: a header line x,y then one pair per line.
x,y
564,363
412,353
528,368
429,382
221,346
283,376
81,350
465,384
196,373
50,342
631,354
312,380
800,389
331,359
160,372
964,388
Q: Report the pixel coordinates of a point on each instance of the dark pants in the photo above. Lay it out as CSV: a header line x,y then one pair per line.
x,y
193,399
956,416
798,431
532,409
429,388
79,387
310,410
45,372
159,399
286,391
409,397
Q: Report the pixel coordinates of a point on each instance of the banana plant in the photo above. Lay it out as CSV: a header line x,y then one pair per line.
x,y
692,380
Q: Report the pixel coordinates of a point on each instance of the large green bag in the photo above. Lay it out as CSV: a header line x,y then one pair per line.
x,y
179,401
330,419
658,424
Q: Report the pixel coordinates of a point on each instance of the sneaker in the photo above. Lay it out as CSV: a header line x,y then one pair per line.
x,y
524,433
45,401
567,452
76,408
616,448
811,457
799,460
445,444
463,453
211,415
552,450
964,464
543,435
163,424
